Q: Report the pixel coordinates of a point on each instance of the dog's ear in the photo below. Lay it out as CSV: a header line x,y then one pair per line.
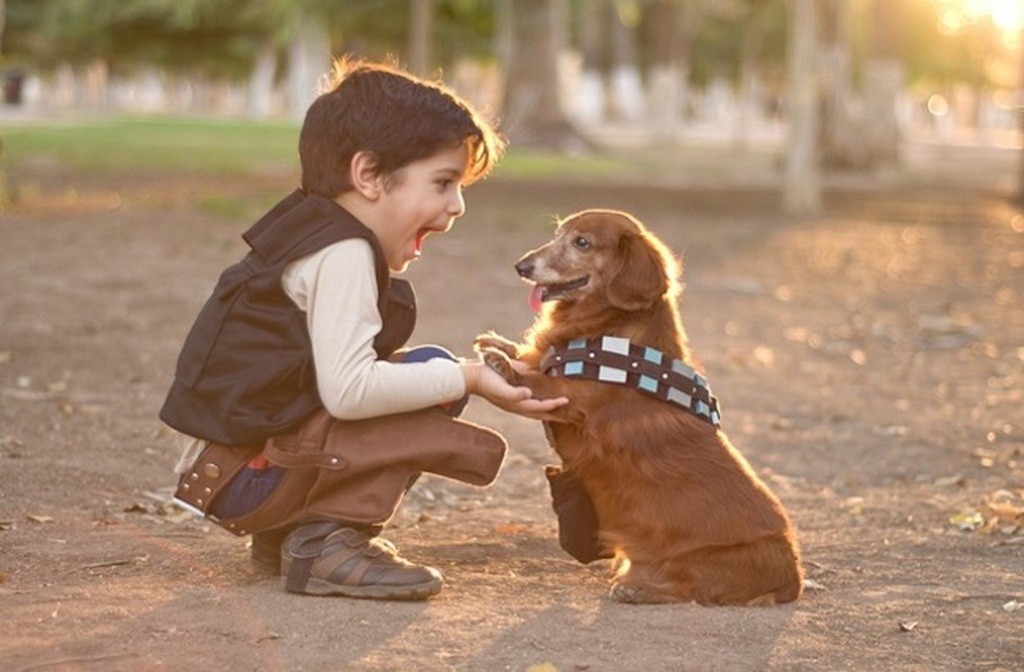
x,y
642,277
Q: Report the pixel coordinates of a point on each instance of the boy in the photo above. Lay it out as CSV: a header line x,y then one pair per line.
x,y
308,427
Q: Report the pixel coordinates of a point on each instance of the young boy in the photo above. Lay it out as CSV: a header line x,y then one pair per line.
x,y
309,425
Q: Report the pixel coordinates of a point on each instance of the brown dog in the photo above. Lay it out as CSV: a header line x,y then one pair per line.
x,y
680,507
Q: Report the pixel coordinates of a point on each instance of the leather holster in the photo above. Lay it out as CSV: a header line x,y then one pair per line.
x,y
358,471
209,475
422,441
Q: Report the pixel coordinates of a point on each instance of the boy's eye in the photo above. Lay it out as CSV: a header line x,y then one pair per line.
x,y
581,242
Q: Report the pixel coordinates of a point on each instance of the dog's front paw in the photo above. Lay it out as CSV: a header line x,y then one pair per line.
x,y
501,363
631,592
627,593
493,341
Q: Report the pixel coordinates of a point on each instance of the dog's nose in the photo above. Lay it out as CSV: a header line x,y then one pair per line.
x,y
524,267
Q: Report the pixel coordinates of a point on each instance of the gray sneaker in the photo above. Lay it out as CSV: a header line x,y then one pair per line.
x,y
327,559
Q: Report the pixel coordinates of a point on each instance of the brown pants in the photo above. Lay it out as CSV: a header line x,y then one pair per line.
x,y
356,471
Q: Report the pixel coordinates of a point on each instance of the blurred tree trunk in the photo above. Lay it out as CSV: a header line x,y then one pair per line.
x,y
309,57
420,30
504,41
841,137
749,50
261,81
802,180
532,106
883,82
1020,122
669,45
4,197
627,99
593,99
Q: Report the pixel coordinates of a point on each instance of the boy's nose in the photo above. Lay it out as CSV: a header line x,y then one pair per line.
x,y
457,205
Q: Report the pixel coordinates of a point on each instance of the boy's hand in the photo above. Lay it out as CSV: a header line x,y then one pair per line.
x,y
484,381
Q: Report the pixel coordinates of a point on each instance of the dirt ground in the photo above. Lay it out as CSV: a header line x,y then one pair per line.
x,y
870,364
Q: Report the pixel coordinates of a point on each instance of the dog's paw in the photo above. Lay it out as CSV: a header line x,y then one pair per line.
x,y
628,593
499,361
493,341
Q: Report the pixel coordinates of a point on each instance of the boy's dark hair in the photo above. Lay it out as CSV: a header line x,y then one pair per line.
x,y
397,116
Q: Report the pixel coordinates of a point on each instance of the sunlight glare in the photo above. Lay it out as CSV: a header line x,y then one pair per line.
x,y
1007,15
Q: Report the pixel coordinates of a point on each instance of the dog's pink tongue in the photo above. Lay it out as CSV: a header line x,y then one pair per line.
x,y
536,298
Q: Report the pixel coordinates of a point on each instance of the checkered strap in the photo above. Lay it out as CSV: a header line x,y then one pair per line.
x,y
611,359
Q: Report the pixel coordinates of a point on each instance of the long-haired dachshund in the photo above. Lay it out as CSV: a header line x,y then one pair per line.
x,y
679,506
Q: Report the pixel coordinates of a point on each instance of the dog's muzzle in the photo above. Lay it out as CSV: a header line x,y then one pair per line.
x,y
525,268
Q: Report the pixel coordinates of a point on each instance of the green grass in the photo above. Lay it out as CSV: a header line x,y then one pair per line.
x,y
536,164
219,147
178,146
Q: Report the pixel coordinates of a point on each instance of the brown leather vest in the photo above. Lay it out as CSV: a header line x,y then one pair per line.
x,y
245,372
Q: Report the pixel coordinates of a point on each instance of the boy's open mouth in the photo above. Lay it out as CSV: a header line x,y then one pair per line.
x,y
541,293
421,235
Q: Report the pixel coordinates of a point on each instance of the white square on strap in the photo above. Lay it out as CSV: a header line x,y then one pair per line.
x,y
573,368
684,369
615,344
610,375
649,384
679,397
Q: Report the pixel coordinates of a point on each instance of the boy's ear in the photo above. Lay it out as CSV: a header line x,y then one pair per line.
x,y
365,175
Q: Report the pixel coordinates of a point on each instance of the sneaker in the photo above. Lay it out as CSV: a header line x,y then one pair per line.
x,y
327,559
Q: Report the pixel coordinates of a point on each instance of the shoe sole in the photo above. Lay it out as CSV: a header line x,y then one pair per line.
x,y
421,591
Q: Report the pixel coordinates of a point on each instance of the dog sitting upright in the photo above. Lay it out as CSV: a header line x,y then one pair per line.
x,y
676,503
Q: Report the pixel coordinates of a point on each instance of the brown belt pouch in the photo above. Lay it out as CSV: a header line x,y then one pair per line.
x,y
216,465
362,468
356,471
426,440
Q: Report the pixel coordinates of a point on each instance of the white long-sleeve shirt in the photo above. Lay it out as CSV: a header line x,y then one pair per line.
x,y
337,289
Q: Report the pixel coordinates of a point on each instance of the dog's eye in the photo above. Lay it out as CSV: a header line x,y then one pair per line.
x,y
581,242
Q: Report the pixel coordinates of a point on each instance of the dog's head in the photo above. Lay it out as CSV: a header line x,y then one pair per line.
x,y
601,254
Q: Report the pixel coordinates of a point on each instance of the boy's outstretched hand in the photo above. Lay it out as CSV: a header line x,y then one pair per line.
x,y
484,381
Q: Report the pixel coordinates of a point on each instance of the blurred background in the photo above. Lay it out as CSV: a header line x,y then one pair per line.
x,y
841,177
800,91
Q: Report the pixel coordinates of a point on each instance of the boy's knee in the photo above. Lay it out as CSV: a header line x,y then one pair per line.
x,y
423,353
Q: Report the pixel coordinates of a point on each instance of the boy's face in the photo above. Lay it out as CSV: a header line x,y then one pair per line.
x,y
420,198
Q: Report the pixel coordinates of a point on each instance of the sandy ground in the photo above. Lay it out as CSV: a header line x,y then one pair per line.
x,y
870,363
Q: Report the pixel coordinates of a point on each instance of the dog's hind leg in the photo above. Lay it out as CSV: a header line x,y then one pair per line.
x,y
764,572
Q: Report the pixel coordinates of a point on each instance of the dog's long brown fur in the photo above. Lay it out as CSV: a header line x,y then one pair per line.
x,y
678,504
